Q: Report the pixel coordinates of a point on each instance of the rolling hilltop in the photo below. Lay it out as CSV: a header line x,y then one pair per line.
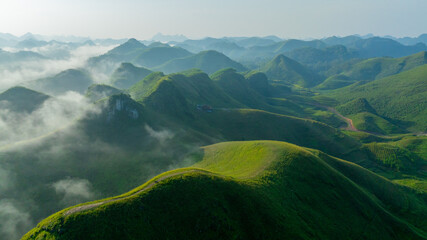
x,y
251,190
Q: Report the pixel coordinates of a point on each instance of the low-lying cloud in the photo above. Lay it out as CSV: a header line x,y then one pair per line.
x,y
74,191
162,136
55,113
13,220
19,72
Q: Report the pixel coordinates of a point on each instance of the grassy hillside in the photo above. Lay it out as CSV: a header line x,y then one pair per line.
x,y
20,99
286,70
375,68
356,106
365,117
127,75
207,61
251,190
393,156
369,122
402,98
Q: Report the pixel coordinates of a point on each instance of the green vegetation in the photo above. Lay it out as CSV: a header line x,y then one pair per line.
x,y
236,86
286,70
392,156
20,99
321,60
207,61
375,68
401,98
356,106
128,47
258,81
373,123
251,190
127,75
76,80
258,189
155,56
96,92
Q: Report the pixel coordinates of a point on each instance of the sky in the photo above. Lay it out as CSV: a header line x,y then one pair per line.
x,y
216,18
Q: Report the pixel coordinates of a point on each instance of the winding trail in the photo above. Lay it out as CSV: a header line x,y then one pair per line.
x,y
152,184
350,125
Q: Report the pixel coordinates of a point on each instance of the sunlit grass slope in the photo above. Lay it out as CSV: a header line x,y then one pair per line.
x,y
252,190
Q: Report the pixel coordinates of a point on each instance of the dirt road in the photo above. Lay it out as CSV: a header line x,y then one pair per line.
x,y
350,125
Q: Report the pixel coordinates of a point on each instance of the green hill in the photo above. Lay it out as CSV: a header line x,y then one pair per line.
x,y
375,68
376,46
373,123
236,86
129,47
109,61
251,190
96,92
179,94
384,47
402,98
176,96
365,117
127,75
207,61
69,80
356,106
286,70
321,60
156,56
20,99
291,44
258,81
